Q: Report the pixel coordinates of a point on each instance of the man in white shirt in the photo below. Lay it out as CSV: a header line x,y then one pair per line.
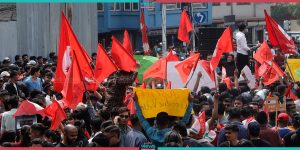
x,y
8,121
242,47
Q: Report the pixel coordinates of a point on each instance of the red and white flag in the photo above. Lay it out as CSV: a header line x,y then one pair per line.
x,y
68,47
199,124
224,45
278,37
143,27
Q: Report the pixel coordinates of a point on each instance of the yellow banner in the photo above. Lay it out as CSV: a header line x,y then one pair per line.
x,y
154,101
294,68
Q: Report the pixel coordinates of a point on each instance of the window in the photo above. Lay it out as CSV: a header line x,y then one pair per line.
x,y
131,6
135,6
199,5
100,7
127,6
243,3
173,6
216,4
115,7
228,4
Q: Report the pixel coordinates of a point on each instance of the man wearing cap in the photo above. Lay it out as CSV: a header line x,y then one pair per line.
x,y
12,87
282,121
5,76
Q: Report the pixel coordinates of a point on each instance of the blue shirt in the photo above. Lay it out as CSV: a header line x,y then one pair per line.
x,y
243,133
157,136
283,131
33,84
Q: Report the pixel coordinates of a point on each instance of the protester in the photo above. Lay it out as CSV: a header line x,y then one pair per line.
x,y
63,102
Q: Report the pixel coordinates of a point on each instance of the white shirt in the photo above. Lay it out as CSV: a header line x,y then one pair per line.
x,y
8,121
241,43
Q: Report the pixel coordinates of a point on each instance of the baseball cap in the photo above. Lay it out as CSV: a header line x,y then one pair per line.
x,y
31,62
4,74
283,117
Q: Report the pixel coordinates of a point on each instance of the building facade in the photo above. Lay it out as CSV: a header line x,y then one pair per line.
x,y
251,13
114,18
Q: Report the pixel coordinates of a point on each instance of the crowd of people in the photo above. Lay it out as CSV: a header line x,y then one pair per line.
x,y
235,116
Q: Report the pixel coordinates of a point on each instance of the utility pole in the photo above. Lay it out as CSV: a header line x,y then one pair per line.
x,y
193,33
163,28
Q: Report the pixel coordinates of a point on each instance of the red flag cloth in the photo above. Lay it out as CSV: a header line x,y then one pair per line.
x,y
104,65
199,124
143,27
131,107
263,53
143,85
192,53
206,66
157,70
185,26
269,73
29,108
289,93
122,58
227,81
169,85
185,67
256,68
278,37
127,43
73,87
68,42
171,56
57,114
224,45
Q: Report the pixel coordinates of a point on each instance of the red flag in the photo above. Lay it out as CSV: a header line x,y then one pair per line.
x,y
29,108
104,65
227,81
169,85
68,42
268,73
122,58
143,85
224,45
185,26
127,43
192,53
256,68
289,93
171,56
278,37
73,87
263,53
199,125
143,26
206,66
57,114
185,67
131,107
157,70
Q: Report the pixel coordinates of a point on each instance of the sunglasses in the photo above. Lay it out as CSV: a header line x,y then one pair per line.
x,y
124,116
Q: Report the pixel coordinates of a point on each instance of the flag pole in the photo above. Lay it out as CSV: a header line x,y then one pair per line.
x,y
81,76
287,64
190,78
